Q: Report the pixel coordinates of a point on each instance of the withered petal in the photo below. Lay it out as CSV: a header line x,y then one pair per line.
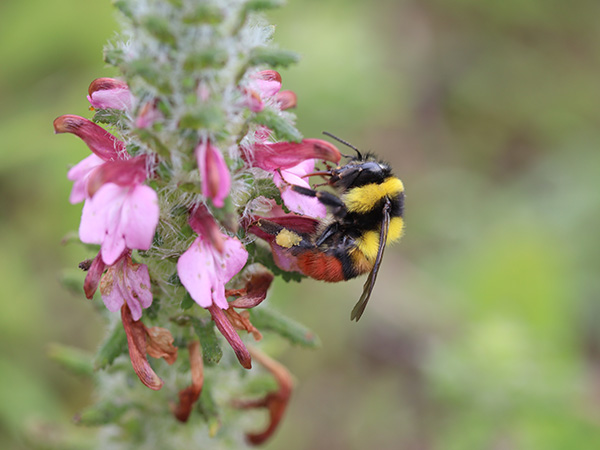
x,y
159,344
136,341
191,394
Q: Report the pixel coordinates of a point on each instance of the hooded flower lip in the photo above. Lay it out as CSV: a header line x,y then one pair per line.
x,y
109,93
126,282
214,172
125,173
105,147
286,99
119,218
290,163
102,143
284,155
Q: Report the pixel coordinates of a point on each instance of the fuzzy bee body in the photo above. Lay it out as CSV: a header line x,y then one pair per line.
x,y
365,217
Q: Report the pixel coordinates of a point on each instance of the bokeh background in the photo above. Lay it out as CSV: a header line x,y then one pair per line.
x,y
483,330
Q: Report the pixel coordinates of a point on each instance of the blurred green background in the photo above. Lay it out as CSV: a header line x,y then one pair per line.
x,y
482,332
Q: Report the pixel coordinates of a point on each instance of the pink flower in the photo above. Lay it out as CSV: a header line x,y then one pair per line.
x,y
119,218
109,93
104,145
264,87
216,180
290,162
204,271
120,212
126,282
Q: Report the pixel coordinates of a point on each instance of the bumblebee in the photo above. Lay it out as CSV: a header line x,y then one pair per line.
x,y
365,216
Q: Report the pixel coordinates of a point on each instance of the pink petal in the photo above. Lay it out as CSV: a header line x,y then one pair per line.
x,y
139,217
214,172
100,141
118,218
204,271
79,174
268,88
268,82
283,155
148,114
100,221
93,276
287,99
232,260
302,204
109,93
254,101
125,173
196,271
137,287
110,288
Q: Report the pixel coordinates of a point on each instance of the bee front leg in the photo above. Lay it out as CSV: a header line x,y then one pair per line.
x,y
326,198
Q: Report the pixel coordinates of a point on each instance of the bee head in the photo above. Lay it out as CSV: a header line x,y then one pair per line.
x,y
359,173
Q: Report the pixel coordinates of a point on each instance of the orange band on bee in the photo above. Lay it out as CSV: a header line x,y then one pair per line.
x,y
320,266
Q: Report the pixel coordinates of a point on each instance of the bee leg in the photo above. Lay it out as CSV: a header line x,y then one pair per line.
x,y
326,198
328,232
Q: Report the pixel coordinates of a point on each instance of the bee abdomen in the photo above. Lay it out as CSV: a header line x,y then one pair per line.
x,y
321,266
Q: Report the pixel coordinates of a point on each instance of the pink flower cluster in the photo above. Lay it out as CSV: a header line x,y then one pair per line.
x,y
121,211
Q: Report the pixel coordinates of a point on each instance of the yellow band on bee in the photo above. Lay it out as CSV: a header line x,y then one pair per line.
x,y
363,199
368,243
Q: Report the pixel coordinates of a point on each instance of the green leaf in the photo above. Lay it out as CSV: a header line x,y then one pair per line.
x,y
282,127
272,57
72,280
268,319
205,117
101,413
211,350
160,29
109,116
208,409
114,345
114,56
203,13
262,5
212,57
187,301
125,8
73,359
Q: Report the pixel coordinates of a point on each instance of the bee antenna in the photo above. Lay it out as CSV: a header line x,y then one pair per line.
x,y
327,133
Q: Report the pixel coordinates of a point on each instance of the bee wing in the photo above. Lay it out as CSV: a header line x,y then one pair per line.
x,y
360,306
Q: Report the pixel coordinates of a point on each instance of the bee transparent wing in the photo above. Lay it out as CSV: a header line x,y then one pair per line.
x,y
360,306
